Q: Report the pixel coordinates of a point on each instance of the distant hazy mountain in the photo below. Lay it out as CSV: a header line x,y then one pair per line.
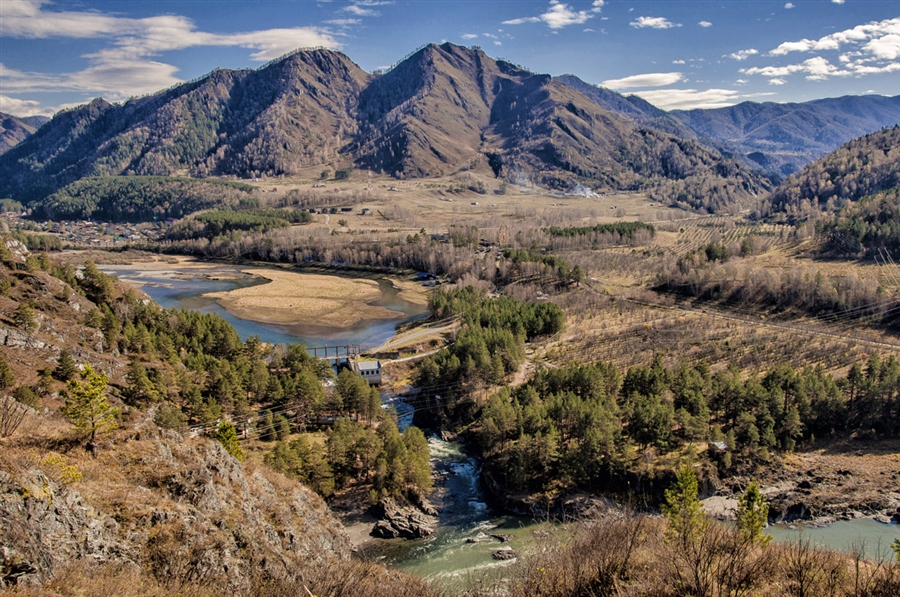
x,y
777,138
13,130
857,169
785,137
444,109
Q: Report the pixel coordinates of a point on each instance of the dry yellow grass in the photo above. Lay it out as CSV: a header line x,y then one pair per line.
x,y
291,298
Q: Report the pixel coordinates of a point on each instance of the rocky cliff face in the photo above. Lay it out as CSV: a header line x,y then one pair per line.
x,y
180,509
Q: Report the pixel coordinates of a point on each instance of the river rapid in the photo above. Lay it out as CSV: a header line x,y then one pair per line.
x,y
459,554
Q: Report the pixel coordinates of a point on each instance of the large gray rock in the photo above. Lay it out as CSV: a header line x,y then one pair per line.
x,y
401,521
45,526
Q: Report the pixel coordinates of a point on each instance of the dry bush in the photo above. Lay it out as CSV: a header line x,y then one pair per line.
x,y
106,580
718,562
810,572
344,578
602,558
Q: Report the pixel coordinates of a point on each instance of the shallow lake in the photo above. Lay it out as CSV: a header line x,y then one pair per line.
x,y
184,287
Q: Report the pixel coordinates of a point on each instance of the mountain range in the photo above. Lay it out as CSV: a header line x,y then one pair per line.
x,y
444,109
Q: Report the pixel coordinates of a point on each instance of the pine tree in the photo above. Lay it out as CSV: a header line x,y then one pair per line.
x,y
86,405
267,427
24,317
227,436
752,515
66,370
282,427
683,509
6,377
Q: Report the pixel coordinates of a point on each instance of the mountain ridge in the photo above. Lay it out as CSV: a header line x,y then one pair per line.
x,y
444,109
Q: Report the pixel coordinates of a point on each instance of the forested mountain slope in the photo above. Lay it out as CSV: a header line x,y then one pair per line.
x,y
292,113
444,109
864,166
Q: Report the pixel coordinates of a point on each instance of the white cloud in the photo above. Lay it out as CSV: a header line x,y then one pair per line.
x,y
816,69
705,24
559,15
777,81
884,48
872,48
688,99
742,81
653,23
837,1
22,108
498,43
344,22
469,35
743,54
789,5
645,80
126,66
678,62
861,33
17,107
365,8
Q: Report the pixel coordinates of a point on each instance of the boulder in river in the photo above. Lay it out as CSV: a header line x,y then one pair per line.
x,y
401,521
506,553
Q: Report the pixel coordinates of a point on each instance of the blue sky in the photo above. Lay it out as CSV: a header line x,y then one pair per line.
x,y
674,53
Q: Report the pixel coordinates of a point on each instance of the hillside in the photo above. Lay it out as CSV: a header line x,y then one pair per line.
x,y
783,138
632,106
444,109
862,167
292,113
145,508
13,130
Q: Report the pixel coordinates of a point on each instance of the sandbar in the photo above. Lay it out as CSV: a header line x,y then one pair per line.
x,y
301,298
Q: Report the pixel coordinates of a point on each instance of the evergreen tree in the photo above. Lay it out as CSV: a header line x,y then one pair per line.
x,y
753,514
227,436
282,427
66,370
6,376
24,317
86,405
266,427
687,522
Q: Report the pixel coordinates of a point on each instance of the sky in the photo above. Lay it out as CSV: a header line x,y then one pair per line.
x,y
676,54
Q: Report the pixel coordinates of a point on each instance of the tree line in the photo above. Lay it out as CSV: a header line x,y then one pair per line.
x,y
141,198
578,426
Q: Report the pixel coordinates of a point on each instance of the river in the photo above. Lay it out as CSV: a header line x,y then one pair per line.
x,y
459,553
185,287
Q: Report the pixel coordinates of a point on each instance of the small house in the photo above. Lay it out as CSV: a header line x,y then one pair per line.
x,y
369,370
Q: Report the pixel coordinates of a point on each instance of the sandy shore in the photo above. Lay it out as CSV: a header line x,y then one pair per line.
x,y
291,298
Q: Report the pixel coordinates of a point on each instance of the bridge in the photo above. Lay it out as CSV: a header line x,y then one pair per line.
x,y
335,354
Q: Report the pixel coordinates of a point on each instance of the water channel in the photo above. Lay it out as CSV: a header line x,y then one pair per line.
x,y
186,287
460,551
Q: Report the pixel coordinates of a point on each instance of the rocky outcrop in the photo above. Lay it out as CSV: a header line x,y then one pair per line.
x,y
45,526
505,553
182,510
401,521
